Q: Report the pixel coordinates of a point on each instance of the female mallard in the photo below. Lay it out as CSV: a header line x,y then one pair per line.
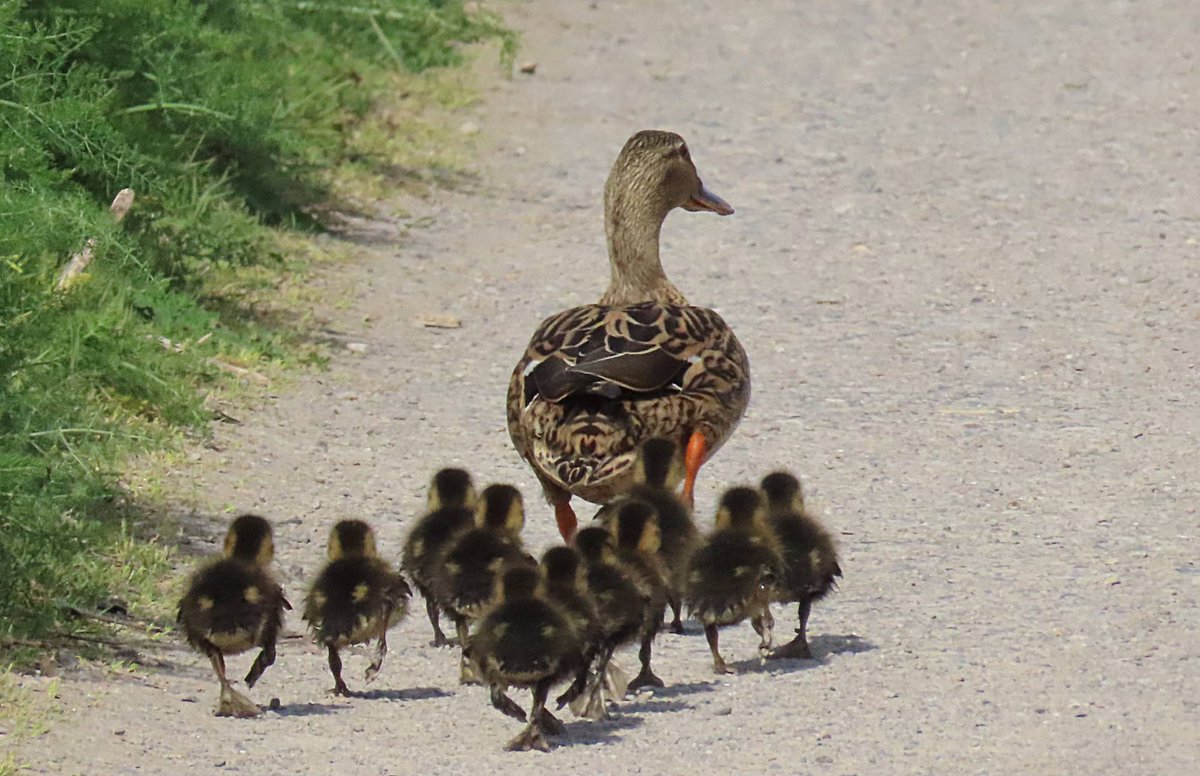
x,y
597,380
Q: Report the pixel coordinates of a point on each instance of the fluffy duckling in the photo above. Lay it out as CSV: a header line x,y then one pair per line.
x,y
463,583
732,574
566,585
234,604
450,511
526,640
810,560
621,607
634,525
356,598
658,471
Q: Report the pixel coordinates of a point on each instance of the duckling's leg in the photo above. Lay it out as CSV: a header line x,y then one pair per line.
x,y
534,737
564,515
693,459
591,703
505,704
798,647
677,610
231,702
265,658
763,624
577,687
439,637
335,667
466,670
711,633
380,649
646,677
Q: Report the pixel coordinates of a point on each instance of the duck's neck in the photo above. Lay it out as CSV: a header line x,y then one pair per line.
x,y
637,272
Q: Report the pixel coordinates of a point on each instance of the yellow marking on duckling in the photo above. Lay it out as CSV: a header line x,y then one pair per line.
x,y
205,603
252,594
361,591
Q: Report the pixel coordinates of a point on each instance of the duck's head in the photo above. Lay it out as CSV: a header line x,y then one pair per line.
x,y
783,492
635,526
654,174
351,539
249,539
451,488
563,566
595,544
501,508
742,509
659,464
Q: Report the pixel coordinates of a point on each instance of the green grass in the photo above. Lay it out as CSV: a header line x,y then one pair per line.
x,y
236,122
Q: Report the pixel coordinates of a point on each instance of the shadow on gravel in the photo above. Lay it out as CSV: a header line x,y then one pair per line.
x,y
652,704
409,694
306,709
582,732
829,644
683,688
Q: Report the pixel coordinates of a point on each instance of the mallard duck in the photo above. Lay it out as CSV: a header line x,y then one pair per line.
x,y
810,560
621,609
450,511
526,640
733,572
233,604
356,598
597,380
634,525
657,473
463,584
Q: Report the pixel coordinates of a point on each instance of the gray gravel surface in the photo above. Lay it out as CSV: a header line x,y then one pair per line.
x,y
964,266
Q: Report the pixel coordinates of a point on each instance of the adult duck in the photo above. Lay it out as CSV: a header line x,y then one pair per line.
x,y
598,380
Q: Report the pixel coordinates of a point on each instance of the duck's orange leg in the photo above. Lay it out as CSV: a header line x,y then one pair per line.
x,y
566,519
693,459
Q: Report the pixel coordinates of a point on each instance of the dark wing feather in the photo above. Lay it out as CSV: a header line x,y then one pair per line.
x,y
643,371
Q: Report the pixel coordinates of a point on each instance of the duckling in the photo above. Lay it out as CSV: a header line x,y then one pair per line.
x,y
449,512
566,585
526,640
356,598
621,608
810,560
634,525
462,585
233,604
732,574
658,471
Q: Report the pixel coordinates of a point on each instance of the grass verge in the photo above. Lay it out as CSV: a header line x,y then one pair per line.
x,y
226,119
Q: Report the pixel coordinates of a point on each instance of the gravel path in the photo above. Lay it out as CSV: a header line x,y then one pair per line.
x,y
964,266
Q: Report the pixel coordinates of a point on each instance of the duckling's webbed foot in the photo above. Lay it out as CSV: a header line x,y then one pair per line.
x,y
552,724
645,678
719,667
233,704
505,704
531,738
762,624
797,648
677,620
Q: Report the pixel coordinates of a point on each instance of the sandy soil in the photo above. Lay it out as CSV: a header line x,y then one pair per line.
x,y
964,265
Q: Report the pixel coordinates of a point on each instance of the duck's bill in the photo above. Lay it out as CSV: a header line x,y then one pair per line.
x,y
706,200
